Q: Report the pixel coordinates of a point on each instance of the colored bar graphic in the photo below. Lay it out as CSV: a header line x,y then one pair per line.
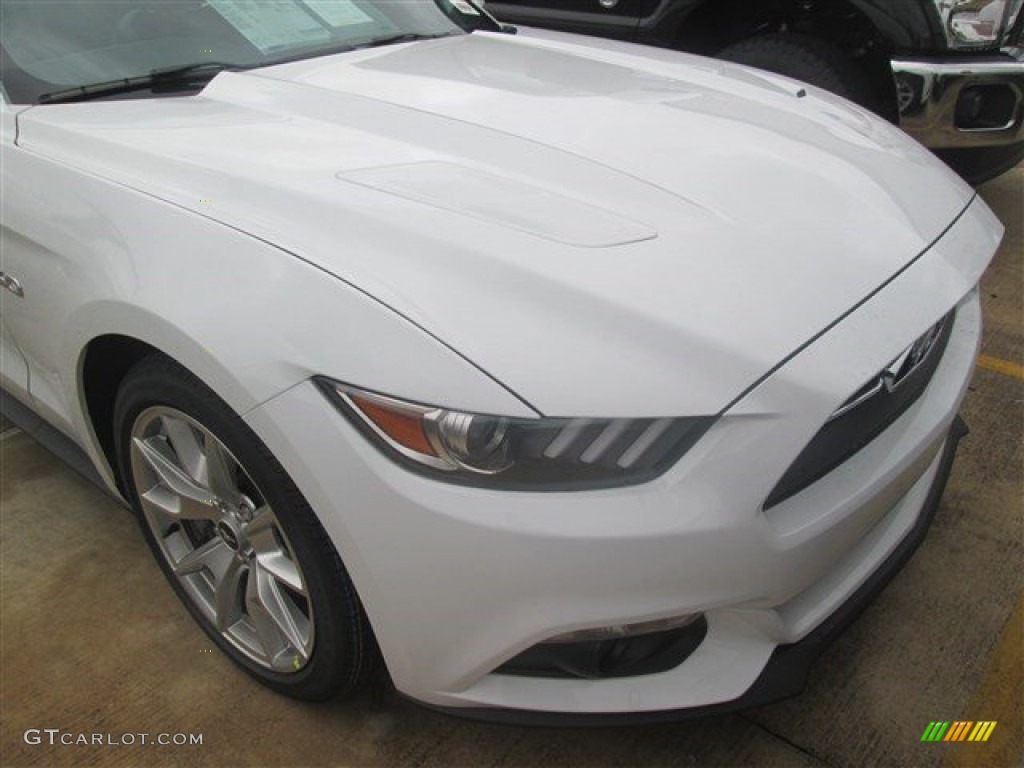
x,y
935,730
989,727
958,730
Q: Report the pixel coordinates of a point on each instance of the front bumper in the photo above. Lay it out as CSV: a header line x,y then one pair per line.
x,y
787,670
457,581
962,103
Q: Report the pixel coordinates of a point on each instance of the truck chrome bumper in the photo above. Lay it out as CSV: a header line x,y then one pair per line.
x,y
946,104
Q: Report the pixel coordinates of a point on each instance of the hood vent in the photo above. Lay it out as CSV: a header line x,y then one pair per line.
x,y
503,201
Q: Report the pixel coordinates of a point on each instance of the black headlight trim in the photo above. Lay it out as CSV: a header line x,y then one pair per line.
x,y
669,445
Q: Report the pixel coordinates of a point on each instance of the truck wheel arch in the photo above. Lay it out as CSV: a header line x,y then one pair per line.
x,y
867,32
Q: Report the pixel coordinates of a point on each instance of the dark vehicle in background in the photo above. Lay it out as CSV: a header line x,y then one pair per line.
x,y
950,72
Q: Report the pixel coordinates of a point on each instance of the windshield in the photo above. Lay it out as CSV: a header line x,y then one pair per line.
x,y
49,45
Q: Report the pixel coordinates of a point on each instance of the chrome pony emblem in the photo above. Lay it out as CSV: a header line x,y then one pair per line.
x,y
900,368
896,372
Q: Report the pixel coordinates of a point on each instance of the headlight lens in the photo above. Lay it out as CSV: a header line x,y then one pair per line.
x,y
515,453
976,23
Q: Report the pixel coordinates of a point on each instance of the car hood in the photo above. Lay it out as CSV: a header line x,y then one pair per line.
x,y
607,233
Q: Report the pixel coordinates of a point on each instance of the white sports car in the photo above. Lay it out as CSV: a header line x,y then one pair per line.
x,y
577,381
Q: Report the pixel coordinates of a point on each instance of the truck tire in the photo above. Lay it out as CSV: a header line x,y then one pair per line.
x,y
804,58
976,165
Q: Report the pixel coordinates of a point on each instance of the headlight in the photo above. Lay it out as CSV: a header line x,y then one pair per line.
x,y
516,453
976,23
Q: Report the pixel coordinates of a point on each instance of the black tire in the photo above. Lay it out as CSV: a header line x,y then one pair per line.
x,y
976,165
342,651
807,59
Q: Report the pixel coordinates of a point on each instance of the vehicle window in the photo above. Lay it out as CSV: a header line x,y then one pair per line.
x,y
55,44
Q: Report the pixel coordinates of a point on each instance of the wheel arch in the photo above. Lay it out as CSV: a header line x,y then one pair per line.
x,y
105,361
106,354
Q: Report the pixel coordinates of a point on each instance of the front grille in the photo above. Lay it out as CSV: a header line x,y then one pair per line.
x,y
865,415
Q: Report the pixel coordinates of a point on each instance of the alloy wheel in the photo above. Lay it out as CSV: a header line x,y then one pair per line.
x,y
221,539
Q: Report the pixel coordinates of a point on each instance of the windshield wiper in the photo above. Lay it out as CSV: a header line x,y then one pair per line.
x,y
405,37
168,79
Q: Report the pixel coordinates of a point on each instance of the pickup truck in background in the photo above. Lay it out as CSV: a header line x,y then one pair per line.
x,y
950,72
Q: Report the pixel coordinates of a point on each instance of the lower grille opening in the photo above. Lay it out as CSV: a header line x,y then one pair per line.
x,y
621,657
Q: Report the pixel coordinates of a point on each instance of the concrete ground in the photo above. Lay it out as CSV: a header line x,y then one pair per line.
x,y
93,640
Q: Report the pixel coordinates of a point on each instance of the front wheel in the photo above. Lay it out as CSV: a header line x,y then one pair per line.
x,y
235,538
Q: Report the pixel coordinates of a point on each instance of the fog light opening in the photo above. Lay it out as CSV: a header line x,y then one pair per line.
x,y
648,649
620,631
990,107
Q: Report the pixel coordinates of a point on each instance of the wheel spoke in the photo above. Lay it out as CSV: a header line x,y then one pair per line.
x,y
209,555
282,568
160,507
227,595
194,501
271,615
262,523
267,631
185,443
220,472
269,552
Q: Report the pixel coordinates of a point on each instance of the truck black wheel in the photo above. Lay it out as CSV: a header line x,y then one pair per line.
x,y
980,164
804,58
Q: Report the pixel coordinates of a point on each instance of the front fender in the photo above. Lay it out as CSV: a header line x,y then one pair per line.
x,y
246,317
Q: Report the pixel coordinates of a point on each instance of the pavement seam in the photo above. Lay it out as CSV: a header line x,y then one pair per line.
x,y
802,750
